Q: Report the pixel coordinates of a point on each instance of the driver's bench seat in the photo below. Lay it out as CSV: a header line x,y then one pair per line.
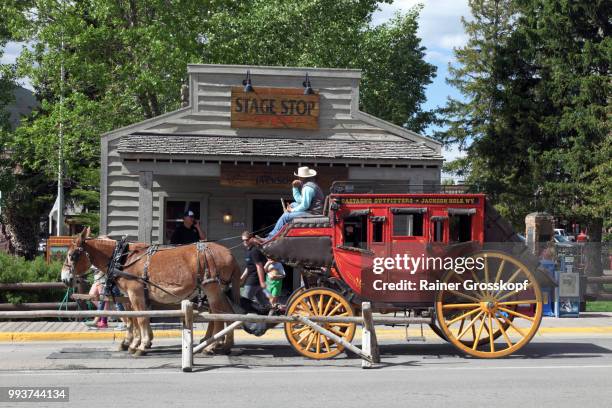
x,y
311,220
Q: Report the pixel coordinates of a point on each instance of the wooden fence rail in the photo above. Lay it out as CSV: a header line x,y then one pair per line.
x,y
599,279
31,286
5,307
369,352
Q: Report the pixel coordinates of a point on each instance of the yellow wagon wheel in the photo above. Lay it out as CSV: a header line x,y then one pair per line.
x,y
472,319
319,302
434,327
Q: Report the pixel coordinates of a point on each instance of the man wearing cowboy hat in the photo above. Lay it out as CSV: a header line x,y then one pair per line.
x,y
308,196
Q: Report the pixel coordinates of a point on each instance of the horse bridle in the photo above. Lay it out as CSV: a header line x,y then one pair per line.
x,y
75,256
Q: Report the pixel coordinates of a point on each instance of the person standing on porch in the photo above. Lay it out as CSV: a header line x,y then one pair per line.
x,y
308,196
189,231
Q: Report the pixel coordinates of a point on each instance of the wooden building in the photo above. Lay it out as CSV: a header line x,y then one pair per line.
x,y
229,155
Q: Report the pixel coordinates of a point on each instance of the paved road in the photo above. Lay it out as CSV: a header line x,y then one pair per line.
x,y
552,371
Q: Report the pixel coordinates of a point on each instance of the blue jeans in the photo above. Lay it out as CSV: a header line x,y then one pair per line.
x,y
118,305
284,219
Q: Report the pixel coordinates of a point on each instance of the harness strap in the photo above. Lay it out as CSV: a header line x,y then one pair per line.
x,y
130,276
201,275
150,252
115,265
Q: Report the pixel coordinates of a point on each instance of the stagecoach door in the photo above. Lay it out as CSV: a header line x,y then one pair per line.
x,y
364,235
378,231
438,227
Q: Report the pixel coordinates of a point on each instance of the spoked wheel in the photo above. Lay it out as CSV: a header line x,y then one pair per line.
x,y
472,319
319,302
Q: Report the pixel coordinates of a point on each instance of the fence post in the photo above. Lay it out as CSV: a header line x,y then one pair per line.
x,y
187,335
368,338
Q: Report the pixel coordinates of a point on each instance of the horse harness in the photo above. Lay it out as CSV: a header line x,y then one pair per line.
x,y
205,274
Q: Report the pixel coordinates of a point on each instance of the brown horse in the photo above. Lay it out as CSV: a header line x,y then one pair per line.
x,y
173,273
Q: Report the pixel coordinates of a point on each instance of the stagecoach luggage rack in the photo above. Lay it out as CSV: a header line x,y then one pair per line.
x,y
371,187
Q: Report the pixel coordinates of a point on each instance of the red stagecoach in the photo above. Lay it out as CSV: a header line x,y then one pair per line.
x,y
370,246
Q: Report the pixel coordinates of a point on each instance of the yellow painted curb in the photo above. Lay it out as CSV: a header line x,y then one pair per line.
x,y
596,329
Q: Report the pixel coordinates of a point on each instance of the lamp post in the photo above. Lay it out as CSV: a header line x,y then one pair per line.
x,y
60,186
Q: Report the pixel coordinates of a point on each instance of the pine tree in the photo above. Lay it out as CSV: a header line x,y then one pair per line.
x,y
535,74
496,80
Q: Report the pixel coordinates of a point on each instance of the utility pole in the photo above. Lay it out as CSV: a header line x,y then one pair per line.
x,y
60,177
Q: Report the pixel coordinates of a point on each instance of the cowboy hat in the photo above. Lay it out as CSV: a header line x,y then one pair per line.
x,y
305,172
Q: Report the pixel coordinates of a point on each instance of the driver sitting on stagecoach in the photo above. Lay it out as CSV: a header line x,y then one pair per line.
x,y
308,196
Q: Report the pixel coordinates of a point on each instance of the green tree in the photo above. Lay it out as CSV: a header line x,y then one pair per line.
x,y
574,49
126,60
535,123
6,82
534,76
496,123
332,33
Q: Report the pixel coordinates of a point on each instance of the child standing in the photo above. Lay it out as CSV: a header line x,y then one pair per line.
x,y
96,290
275,273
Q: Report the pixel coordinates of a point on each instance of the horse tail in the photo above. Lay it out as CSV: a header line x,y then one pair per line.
x,y
236,282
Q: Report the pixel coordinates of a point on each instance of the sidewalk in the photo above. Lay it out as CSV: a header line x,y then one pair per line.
x,y
593,323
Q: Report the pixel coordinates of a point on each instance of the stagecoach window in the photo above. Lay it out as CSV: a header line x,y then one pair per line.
x,y
377,231
355,231
408,225
460,227
438,230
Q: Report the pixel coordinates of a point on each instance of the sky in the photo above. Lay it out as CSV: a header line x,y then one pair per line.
x,y
440,30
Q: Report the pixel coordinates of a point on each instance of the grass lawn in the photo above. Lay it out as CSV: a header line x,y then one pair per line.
x,y
599,306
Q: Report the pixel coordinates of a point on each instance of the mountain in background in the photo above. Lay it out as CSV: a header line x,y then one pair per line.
x,y
23,104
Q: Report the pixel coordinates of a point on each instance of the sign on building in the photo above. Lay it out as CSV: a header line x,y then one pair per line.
x,y
260,175
274,108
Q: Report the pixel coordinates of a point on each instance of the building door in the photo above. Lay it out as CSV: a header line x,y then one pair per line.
x,y
265,214
173,215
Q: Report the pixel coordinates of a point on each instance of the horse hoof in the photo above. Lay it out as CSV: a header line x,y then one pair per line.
x,y
221,351
148,346
131,350
122,347
139,353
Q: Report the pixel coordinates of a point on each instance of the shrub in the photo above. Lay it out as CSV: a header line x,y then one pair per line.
x,y
16,270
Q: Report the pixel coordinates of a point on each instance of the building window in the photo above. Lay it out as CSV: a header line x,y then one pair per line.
x,y
173,215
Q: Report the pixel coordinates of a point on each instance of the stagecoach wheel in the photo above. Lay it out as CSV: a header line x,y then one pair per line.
x,y
473,319
438,331
295,294
319,302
